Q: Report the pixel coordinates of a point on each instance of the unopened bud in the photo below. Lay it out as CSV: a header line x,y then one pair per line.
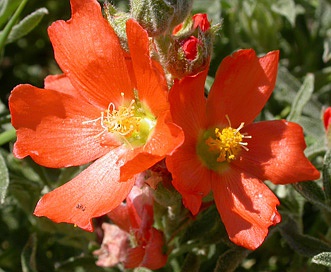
x,y
117,20
191,46
159,16
327,126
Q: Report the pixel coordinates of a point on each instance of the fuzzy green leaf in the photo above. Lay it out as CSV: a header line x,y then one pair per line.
x,y
4,179
285,8
323,258
191,263
302,244
312,192
211,7
327,176
231,259
302,97
26,25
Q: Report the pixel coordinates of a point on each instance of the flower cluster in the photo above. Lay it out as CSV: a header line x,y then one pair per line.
x,y
132,239
121,109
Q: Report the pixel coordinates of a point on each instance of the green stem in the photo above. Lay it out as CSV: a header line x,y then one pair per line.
x,y
7,136
6,31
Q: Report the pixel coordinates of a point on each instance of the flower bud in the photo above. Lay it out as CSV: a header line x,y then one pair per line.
x,y
327,126
191,46
158,16
117,20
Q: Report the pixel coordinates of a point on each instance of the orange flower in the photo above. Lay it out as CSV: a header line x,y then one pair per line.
x,y
107,107
226,153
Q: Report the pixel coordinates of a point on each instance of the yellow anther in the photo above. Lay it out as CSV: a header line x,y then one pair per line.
x,y
122,121
131,122
228,142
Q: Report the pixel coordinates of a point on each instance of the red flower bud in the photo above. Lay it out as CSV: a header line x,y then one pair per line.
x,y
198,20
327,118
190,46
201,20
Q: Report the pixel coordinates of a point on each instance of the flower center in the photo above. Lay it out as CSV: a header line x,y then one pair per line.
x,y
216,147
227,142
130,122
122,121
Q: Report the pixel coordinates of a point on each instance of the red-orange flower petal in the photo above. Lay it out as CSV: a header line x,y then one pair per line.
x,y
276,153
243,84
247,207
94,192
164,140
139,220
120,217
60,83
201,20
149,80
188,105
89,53
154,258
190,177
50,127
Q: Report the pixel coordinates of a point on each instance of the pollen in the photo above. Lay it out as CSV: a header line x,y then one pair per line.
x,y
130,122
228,142
122,121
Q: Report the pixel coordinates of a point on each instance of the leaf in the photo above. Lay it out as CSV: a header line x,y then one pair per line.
x,y
315,149
191,263
7,8
231,259
302,244
323,258
28,256
79,264
207,222
312,192
4,179
285,8
211,7
26,25
302,97
3,7
327,176
327,48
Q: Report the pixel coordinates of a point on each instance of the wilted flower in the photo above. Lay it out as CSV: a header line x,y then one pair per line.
x,y
143,244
